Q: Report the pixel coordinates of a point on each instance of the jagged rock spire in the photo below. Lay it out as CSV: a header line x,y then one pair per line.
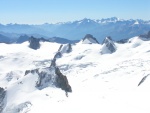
x,y
108,46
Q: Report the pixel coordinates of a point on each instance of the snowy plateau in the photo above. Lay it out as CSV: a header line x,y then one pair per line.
x,y
104,78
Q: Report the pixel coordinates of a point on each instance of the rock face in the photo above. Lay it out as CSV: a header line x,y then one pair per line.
x,y
146,35
62,81
66,48
108,46
2,97
34,43
89,39
50,76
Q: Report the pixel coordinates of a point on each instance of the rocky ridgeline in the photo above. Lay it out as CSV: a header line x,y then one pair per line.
x,y
108,46
52,76
66,48
2,99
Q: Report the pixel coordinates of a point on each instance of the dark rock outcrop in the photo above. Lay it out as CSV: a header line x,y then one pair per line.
x,y
66,48
122,41
147,36
34,43
50,77
53,63
31,71
89,39
57,55
108,46
143,79
2,97
62,81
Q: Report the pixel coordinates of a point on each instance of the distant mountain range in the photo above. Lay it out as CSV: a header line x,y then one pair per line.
x,y
116,28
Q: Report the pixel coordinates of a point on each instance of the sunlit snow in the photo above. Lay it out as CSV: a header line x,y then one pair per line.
x,y
105,83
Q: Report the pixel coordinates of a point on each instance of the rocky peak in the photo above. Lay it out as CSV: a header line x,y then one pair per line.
x,y
66,48
50,76
89,39
107,40
108,46
34,43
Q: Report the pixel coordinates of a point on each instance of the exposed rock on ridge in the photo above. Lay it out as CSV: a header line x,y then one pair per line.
x,y
34,43
108,46
50,76
66,48
2,97
89,39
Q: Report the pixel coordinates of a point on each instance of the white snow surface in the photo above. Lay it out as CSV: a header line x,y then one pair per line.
x,y
105,83
89,41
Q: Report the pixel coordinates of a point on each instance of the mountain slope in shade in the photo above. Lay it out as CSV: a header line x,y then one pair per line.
x,y
22,39
100,82
4,39
62,40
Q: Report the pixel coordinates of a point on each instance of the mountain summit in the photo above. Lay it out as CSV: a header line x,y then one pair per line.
x,y
108,46
89,39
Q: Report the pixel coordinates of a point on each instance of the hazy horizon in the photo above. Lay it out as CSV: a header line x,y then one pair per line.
x,y
54,11
69,21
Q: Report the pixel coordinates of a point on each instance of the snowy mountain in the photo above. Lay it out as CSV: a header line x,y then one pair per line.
x,y
81,80
116,28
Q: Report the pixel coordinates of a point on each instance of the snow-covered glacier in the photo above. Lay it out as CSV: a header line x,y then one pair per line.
x,y
90,81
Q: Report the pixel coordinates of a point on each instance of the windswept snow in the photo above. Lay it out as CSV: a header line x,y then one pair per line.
x,y
100,82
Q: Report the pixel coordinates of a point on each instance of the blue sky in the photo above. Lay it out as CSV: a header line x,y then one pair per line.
x,y
52,11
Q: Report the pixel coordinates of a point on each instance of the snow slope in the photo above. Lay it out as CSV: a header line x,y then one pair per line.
x,y
100,82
